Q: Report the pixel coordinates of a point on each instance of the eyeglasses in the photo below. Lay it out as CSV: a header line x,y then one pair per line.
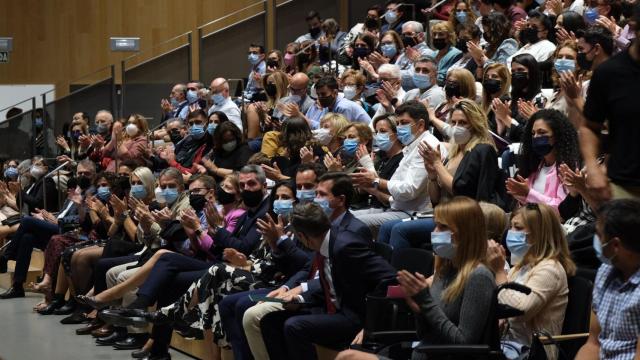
x,y
197,191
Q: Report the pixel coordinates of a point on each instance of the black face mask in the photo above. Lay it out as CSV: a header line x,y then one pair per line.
x,y
371,23
326,102
197,202
541,145
314,32
361,52
175,136
409,40
452,90
271,90
252,198
492,85
224,197
84,182
440,43
272,64
519,80
529,35
462,45
583,62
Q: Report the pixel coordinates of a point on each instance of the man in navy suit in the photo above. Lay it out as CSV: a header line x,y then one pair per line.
x,y
347,271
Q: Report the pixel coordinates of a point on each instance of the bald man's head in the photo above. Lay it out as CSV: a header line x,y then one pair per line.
x,y
179,92
299,83
220,86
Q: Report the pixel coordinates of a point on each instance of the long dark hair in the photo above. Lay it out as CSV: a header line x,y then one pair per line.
x,y
218,134
565,145
535,80
498,27
573,21
295,135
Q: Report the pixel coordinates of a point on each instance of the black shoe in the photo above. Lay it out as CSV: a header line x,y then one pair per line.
x,y
67,309
132,317
12,293
75,319
52,307
112,339
139,354
88,328
133,341
91,302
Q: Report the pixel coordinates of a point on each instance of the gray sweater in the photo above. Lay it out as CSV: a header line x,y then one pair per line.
x,y
462,321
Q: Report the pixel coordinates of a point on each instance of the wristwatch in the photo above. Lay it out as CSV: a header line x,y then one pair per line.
x,y
376,183
198,232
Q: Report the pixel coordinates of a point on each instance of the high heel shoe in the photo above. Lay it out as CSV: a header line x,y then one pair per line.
x,y
91,302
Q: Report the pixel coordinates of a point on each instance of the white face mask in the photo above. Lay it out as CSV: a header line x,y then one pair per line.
x,y
37,172
323,135
131,129
349,92
230,146
461,134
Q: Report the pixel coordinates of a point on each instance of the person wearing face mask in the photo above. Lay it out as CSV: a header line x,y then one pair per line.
x,y
564,64
412,37
353,87
467,34
256,58
526,84
424,78
128,142
615,291
258,114
177,106
290,59
297,94
387,159
541,261
595,46
189,152
328,134
329,101
219,90
463,283
104,124
74,150
496,81
553,141
330,45
193,95
471,168
459,84
408,184
306,179
230,152
391,93
34,195
461,15
43,139
496,31
393,17
444,41
314,23
356,139
362,47
536,38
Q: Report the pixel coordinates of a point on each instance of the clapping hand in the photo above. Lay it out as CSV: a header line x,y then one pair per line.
x,y
575,181
189,220
306,155
213,216
412,284
162,216
496,256
272,173
526,108
363,178
333,163
62,142
518,186
271,230
234,257
118,206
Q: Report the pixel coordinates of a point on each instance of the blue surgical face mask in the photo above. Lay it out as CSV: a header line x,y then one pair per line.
x,y
174,102
305,195
349,146
517,244
217,98
461,16
11,173
324,204
390,16
597,247
102,128
405,135
138,192
441,244
383,141
39,122
283,207
170,195
421,81
253,58
211,128
563,65
591,15
103,193
197,131
192,96
388,50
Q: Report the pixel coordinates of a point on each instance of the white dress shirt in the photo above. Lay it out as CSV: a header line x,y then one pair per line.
x,y
229,108
542,50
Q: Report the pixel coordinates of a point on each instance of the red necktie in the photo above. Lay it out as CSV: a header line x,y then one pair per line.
x,y
326,289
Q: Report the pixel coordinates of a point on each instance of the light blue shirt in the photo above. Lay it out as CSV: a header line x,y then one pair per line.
x,y
351,110
252,85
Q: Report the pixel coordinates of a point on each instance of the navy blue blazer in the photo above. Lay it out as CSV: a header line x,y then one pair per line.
x,y
245,237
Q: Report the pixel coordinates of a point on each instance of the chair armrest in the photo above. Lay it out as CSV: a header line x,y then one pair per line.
x,y
390,337
454,349
549,340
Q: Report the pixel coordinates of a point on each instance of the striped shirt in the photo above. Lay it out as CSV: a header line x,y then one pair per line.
x,y
617,306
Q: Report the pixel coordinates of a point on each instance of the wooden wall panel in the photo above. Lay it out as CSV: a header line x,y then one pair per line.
x,y
57,41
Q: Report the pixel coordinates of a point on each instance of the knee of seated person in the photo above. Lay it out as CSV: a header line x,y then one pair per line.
x,y
251,317
353,355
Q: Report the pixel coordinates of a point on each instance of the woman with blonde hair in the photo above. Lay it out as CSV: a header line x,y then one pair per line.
x,y
259,121
459,83
496,83
128,142
541,261
444,41
452,306
471,168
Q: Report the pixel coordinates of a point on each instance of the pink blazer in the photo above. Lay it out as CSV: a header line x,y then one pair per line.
x,y
554,191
